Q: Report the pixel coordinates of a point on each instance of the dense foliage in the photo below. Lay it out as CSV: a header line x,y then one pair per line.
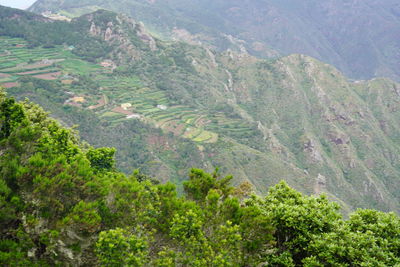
x,y
63,203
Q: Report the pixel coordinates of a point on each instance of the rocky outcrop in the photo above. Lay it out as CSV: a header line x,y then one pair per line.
x,y
320,184
310,147
120,32
145,36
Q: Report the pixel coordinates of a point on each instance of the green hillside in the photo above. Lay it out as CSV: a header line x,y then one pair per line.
x,y
358,37
62,203
168,106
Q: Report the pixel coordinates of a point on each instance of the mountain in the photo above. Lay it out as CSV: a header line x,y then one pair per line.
x,y
160,20
168,106
358,37
63,203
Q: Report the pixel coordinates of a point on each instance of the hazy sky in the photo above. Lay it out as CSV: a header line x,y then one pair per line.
x,y
17,3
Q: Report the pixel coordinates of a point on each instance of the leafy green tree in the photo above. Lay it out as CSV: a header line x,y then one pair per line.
x,y
368,238
84,217
384,226
200,183
187,226
227,244
166,258
12,254
298,220
101,158
119,247
221,247
143,177
11,115
256,227
58,140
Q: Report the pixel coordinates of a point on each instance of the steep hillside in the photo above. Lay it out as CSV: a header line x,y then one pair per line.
x,y
63,203
312,116
161,88
170,105
358,37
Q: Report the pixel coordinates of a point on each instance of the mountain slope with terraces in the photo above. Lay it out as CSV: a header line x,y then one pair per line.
x,y
167,106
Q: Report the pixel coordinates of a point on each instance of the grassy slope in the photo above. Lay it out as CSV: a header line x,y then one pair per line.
x,y
327,125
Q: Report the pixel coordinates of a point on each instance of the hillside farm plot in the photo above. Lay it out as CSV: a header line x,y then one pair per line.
x,y
154,105
233,127
77,66
100,103
18,59
200,135
57,63
48,76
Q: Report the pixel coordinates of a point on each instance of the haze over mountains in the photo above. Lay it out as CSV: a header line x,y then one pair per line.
x,y
358,37
200,85
22,4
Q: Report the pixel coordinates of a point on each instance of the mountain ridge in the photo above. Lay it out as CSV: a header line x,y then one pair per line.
x,y
358,37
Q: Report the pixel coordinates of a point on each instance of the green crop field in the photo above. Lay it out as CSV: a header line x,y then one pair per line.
x,y
78,66
17,60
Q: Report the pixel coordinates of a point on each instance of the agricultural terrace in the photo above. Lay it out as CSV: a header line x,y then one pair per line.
x,y
129,99
118,98
17,59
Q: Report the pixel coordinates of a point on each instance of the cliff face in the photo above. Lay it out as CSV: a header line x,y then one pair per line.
x,y
315,118
122,33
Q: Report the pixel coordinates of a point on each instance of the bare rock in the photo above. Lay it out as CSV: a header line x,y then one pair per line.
x,y
320,184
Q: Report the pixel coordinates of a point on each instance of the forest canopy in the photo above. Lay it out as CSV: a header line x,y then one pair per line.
x,y
62,202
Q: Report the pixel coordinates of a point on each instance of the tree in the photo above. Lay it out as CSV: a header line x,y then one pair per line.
x,y
11,115
368,238
84,217
119,247
200,183
101,158
298,220
257,231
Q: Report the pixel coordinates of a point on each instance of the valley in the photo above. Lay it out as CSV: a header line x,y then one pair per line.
x,y
211,134
168,106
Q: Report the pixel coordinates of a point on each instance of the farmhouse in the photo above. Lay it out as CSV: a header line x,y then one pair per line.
x,y
162,107
108,64
67,81
133,116
126,106
78,99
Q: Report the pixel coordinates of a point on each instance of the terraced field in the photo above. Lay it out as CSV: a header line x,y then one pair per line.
x,y
119,98
154,106
18,59
229,126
